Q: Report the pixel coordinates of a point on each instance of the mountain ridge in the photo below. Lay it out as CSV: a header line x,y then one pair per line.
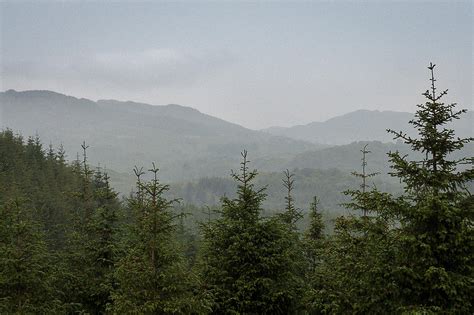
x,y
186,143
361,125
183,141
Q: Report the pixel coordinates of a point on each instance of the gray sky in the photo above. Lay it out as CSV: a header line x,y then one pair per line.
x,y
258,64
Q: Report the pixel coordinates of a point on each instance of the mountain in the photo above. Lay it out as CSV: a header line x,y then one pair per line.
x,y
191,148
187,144
362,125
183,142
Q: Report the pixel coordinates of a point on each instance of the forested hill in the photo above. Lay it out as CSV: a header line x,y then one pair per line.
x,y
188,145
184,142
363,125
68,245
327,184
323,172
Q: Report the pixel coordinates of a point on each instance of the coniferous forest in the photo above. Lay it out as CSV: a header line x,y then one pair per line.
x,y
70,244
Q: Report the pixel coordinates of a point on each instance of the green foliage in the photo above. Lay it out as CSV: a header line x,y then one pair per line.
x,y
291,215
247,259
91,250
325,183
436,257
312,245
67,247
354,274
75,212
316,225
190,144
45,181
412,253
27,277
152,276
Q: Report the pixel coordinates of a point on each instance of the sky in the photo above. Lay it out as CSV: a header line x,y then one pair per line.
x,y
258,64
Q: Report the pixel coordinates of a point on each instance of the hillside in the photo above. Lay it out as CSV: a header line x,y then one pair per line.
x,y
188,145
362,125
328,185
182,141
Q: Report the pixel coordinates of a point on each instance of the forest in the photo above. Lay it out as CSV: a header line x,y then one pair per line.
x,y
71,244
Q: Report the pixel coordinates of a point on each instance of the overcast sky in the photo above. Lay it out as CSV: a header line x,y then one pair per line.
x,y
256,64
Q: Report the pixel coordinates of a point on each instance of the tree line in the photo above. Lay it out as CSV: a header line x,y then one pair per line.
x,y
69,244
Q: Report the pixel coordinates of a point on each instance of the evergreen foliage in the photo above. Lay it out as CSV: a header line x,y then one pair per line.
x,y
152,277
27,277
316,225
413,253
436,259
291,215
91,250
69,245
247,261
44,182
70,213
353,275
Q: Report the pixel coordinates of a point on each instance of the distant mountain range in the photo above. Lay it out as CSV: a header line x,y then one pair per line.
x,y
183,142
362,125
187,144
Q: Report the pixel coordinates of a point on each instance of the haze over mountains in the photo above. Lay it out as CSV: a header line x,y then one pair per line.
x,y
182,141
187,144
362,125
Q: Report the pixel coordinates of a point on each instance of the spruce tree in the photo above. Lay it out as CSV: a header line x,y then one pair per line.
x,y
27,276
102,248
314,236
436,260
152,277
291,215
316,225
72,254
248,267
92,241
359,196
415,253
